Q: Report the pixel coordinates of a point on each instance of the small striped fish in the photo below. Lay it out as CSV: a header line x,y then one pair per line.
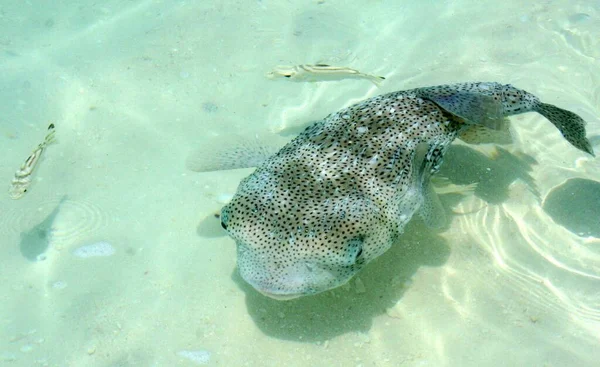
x,y
320,72
20,183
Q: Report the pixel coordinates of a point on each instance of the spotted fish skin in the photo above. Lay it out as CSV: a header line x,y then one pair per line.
x,y
339,195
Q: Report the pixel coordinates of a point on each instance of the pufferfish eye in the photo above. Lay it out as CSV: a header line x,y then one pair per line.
x,y
224,218
357,244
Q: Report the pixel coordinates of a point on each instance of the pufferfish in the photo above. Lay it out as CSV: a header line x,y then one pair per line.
x,y
339,195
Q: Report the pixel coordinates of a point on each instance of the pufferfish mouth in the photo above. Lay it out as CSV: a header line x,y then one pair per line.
x,y
295,288
280,297
298,280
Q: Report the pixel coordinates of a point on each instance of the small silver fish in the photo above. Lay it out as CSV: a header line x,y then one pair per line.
x,y
341,193
35,242
320,72
22,180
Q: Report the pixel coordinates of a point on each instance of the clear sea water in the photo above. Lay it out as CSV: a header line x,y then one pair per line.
x,y
114,256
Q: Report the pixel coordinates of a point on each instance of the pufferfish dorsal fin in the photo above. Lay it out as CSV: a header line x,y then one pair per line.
x,y
233,153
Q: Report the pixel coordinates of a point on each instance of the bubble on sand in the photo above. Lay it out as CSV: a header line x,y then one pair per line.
x,y
224,198
59,285
94,250
26,348
196,356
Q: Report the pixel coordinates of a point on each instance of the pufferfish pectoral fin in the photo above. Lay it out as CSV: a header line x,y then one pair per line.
x,y
477,134
432,212
233,153
474,108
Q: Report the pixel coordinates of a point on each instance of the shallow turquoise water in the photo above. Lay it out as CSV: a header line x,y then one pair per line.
x,y
134,87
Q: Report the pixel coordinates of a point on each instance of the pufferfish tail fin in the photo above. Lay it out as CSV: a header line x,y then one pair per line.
x,y
570,125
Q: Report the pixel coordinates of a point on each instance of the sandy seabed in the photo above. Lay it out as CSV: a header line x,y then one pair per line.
x,y
134,86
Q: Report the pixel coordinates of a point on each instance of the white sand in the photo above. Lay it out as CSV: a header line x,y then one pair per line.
x,y
134,86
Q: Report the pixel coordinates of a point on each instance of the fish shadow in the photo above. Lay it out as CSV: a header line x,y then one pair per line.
x,y
348,309
575,205
493,175
34,242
